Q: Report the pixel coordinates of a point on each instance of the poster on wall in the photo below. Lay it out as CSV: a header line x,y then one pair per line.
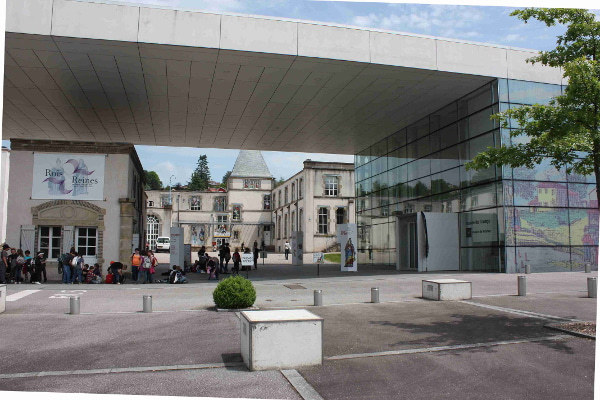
x,y
198,235
347,234
68,176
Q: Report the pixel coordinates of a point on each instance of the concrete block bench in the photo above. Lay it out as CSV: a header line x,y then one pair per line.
x,y
446,289
281,339
2,298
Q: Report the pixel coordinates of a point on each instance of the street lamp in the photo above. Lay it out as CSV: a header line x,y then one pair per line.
x,y
170,190
171,197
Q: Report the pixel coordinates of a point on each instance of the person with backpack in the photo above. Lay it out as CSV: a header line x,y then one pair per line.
x,y
37,268
64,267
18,266
144,270
237,259
153,264
136,263
12,264
27,266
77,264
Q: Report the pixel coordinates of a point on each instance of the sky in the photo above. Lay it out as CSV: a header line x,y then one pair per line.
x,y
473,23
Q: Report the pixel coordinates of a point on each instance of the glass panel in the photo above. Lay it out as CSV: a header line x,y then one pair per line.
x,y
443,117
584,227
542,172
524,92
573,177
445,181
483,196
503,89
582,195
582,255
44,231
541,226
417,130
480,259
479,228
475,101
380,148
397,140
541,259
540,194
81,241
481,122
449,136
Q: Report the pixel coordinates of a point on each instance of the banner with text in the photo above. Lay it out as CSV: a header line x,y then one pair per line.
x,y
347,235
68,176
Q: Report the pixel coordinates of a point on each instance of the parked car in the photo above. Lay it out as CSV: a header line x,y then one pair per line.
x,y
163,244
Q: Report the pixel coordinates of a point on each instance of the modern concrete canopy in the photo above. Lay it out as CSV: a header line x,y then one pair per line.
x,y
117,72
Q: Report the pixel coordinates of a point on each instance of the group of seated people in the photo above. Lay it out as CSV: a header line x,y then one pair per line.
x,y
213,266
92,274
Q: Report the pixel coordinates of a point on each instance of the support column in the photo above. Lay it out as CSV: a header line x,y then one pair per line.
x,y
127,213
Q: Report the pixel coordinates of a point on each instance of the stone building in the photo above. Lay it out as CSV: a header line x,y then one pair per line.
x,y
239,214
86,195
315,201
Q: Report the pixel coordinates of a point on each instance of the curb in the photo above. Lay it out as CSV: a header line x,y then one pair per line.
x,y
574,333
237,309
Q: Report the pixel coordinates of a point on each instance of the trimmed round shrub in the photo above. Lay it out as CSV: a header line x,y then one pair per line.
x,y
234,292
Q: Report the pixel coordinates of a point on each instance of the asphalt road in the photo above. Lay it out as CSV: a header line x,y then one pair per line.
x,y
501,350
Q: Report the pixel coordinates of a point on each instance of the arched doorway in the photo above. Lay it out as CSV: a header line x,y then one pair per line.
x,y
152,231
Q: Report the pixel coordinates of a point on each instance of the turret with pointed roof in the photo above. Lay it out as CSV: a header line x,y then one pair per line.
x,y
250,164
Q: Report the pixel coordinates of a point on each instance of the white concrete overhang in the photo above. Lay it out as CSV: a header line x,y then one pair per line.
x,y
117,72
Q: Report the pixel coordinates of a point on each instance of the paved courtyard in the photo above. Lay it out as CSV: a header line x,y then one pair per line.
x,y
495,345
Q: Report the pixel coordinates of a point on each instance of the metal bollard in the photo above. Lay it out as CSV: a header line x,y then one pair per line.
x,y
374,295
318,297
147,303
592,288
527,268
74,305
522,285
588,268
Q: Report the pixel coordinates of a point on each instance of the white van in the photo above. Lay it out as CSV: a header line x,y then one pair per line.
x,y
163,243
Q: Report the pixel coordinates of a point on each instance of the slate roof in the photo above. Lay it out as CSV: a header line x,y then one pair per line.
x,y
250,164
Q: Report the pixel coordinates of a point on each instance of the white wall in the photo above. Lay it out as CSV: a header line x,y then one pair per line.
x,y
20,203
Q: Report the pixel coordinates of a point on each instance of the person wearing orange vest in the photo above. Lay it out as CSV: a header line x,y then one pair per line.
x,y
136,264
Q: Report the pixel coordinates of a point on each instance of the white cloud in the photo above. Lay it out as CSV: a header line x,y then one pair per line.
x,y
512,37
438,20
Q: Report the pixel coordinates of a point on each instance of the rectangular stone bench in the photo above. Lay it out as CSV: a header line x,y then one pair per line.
x,y
446,289
281,339
2,298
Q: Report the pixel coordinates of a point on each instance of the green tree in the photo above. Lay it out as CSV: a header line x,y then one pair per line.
x,y
201,175
225,177
152,181
565,131
278,182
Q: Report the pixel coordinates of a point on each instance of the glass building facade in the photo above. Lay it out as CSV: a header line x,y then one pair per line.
x,y
543,217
